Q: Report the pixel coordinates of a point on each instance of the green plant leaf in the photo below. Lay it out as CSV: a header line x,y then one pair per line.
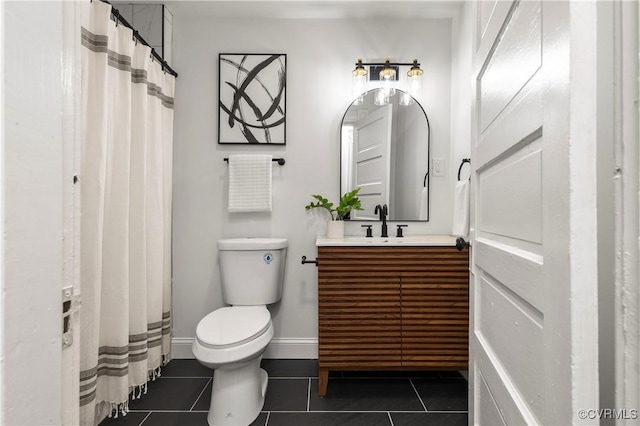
x,y
322,203
348,202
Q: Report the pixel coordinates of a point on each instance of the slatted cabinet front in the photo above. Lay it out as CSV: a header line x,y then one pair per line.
x,y
392,308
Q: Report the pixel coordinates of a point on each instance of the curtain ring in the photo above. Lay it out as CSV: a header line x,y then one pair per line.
x,y
135,36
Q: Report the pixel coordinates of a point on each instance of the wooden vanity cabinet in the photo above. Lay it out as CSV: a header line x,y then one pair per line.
x,y
392,308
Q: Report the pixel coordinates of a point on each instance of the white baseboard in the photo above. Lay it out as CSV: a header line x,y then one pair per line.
x,y
181,348
279,348
296,348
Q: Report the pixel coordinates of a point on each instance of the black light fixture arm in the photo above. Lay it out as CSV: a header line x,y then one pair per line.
x,y
393,64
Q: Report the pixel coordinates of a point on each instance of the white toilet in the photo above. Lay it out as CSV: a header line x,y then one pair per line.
x,y
231,340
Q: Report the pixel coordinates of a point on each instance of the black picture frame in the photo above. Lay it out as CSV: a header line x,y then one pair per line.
x,y
252,98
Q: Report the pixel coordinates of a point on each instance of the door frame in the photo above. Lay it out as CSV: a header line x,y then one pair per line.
x,y
72,18
627,211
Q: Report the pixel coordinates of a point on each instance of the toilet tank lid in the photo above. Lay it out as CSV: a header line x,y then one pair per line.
x,y
251,243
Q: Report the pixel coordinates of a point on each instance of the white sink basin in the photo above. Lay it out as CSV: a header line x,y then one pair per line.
x,y
410,240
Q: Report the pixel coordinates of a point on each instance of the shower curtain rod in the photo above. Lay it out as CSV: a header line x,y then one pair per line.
x,y
116,14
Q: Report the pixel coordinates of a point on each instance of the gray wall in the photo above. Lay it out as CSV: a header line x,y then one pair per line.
x,y
320,58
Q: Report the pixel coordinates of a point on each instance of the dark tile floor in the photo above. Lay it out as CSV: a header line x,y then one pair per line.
x,y
182,394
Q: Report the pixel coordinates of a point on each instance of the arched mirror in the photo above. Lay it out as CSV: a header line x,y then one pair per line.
x,y
385,152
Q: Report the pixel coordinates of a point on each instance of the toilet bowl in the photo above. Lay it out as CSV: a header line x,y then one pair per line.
x,y
231,340
232,334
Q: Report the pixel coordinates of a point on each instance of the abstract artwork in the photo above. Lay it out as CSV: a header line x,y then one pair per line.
x,y
252,89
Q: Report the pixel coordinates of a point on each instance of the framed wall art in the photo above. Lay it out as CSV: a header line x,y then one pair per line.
x,y
252,98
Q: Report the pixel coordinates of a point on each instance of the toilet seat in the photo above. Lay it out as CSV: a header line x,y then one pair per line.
x,y
232,326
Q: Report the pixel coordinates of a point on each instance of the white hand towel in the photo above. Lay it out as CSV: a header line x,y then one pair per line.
x,y
461,209
424,203
249,183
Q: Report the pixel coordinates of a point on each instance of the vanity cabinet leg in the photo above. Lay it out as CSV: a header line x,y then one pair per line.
x,y
323,380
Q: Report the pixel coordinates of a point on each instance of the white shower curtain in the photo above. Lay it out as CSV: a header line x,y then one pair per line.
x,y
125,209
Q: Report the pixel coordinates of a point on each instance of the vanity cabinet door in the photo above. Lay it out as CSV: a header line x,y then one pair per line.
x,y
435,309
359,318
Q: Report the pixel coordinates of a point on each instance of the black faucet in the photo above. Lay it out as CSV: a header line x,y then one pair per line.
x,y
384,211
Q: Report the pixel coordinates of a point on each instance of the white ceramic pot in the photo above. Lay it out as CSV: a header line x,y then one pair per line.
x,y
335,229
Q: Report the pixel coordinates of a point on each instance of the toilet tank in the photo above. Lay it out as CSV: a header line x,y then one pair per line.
x,y
252,270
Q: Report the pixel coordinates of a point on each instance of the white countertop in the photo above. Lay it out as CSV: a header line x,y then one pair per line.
x,y
408,240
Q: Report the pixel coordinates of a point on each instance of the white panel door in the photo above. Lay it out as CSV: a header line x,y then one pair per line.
x,y
522,368
371,160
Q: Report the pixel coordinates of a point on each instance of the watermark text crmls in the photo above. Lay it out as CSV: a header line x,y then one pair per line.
x,y
609,413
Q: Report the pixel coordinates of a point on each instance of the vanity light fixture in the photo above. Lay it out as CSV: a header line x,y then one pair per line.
x,y
387,74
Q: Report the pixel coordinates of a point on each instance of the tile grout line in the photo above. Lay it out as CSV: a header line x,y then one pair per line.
x,y
186,377
266,422
170,411
353,411
145,418
291,377
201,392
418,395
309,395
390,419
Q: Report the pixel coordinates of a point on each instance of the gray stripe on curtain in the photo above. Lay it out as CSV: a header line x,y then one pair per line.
x,y
154,325
87,374
113,361
139,357
155,343
113,350
98,44
87,386
85,399
110,356
134,338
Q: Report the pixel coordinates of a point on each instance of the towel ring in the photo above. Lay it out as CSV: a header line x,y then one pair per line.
x,y
464,160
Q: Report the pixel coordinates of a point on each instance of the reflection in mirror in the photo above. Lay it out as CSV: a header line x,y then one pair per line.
x,y
385,152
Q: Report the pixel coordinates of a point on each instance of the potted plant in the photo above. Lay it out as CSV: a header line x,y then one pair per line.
x,y
348,202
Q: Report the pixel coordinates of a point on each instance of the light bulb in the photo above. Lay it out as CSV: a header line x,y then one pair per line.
x,y
414,79
359,82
